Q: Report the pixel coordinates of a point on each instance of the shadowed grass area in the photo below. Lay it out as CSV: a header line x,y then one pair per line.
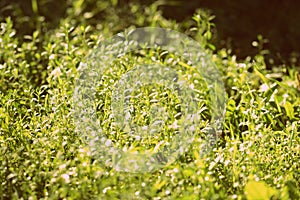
x,y
238,22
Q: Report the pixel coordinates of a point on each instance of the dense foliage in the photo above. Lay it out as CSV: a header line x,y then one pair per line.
x,y
43,157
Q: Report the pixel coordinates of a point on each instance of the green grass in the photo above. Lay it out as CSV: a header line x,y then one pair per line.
x,y
43,157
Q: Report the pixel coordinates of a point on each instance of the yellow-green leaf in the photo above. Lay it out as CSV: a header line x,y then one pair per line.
x,y
259,190
263,78
289,109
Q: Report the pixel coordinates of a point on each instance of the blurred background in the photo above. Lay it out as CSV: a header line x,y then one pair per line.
x,y
238,22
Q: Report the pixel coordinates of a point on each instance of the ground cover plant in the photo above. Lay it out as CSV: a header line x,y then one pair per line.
x,y
42,156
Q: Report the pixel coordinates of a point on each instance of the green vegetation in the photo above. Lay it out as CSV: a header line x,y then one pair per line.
x,y
42,156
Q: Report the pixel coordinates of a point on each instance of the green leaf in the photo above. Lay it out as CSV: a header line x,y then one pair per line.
x,y
259,190
263,78
114,2
34,6
158,185
289,110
